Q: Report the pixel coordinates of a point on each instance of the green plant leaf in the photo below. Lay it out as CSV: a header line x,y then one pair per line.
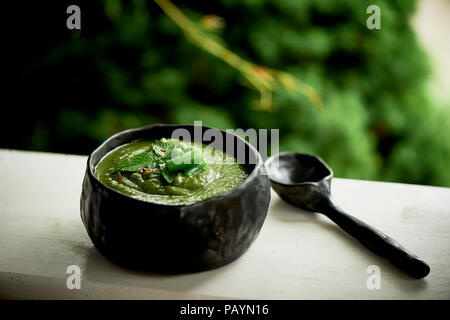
x,y
193,170
160,157
164,144
159,151
167,174
137,162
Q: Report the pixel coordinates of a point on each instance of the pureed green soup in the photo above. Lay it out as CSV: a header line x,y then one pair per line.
x,y
169,171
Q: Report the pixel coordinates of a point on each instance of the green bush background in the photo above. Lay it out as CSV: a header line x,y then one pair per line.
x,y
134,67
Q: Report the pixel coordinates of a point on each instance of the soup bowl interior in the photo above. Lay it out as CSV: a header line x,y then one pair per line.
x,y
169,238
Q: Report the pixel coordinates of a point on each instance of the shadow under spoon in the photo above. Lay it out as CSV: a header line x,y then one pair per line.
x,y
304,181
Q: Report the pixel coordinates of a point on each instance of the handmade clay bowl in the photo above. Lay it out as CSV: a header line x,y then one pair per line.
x,y
174,238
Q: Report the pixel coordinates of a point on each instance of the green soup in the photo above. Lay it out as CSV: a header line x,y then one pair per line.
x,y
219,174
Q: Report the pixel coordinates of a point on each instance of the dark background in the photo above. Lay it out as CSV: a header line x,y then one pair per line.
x,y
131,65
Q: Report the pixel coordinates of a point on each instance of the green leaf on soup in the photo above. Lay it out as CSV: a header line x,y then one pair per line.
x,y
193,170
167,174
137,162
160,152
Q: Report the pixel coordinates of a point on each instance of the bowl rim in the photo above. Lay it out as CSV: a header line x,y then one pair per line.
x,y
251,176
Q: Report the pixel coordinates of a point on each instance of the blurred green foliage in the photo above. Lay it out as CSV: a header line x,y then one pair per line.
x,y
136,67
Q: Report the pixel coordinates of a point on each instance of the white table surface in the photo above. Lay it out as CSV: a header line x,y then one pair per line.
x,y
298,255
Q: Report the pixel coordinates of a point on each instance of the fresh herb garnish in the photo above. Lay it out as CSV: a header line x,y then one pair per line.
x,y
189,172
186,160
137,162
167,174
168,158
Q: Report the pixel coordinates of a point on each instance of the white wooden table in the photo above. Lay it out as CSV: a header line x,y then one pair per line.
x,y
298,255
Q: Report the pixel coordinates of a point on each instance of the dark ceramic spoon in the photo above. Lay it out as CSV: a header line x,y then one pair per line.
x,y
304,181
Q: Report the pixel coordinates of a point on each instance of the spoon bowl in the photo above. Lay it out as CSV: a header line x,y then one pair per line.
x,y
303,180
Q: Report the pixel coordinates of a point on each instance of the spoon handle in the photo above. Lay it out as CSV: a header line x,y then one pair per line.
x,y
378,242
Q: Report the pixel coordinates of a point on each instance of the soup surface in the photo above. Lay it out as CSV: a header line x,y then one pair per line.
x,y
148,170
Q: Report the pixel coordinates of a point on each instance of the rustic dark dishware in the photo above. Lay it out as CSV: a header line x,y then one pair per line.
x,y
305,181
174,238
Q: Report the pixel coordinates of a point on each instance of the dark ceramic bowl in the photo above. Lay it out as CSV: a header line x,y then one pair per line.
x,y
174,238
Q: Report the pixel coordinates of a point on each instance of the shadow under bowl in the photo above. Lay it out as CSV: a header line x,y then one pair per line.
x,y
167,238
